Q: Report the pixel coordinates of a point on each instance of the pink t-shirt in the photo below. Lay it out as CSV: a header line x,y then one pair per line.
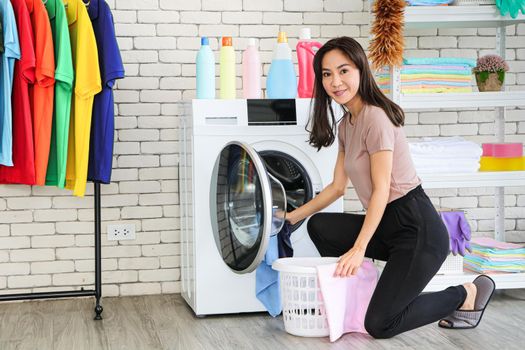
x,y
372,131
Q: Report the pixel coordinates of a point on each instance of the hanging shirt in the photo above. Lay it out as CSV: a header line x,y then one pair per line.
x,y
7,65
41,93
111,68
64,75
87,85
23,169
1,34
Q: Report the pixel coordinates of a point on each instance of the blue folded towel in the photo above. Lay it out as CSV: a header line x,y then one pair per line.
x,y
267,280
440,60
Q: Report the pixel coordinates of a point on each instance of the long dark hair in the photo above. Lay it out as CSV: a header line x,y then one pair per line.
x,y
322,133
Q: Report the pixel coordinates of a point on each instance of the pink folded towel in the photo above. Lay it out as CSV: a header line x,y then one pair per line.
x,y
502,150
346,299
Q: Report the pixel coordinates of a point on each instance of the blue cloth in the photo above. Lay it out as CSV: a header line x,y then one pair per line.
x,y
267,280
7,66
440,60
103,118
284,242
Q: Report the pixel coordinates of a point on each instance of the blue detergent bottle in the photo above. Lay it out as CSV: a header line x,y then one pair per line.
x,y
205,71
282,80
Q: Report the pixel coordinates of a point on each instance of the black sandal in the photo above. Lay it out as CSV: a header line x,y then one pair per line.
x,y
465,319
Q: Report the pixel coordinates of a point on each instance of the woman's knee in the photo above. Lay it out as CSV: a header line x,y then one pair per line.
x,y
378,327
314,227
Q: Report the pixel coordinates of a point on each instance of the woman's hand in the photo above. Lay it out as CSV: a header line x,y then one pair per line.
x,y
291,218
350,262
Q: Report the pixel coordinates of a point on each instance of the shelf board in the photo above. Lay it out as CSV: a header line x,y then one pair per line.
x,y
457,17
503,280
462,100
479,179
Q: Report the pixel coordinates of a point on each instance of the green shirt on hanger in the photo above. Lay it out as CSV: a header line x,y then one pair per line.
x,y
64,76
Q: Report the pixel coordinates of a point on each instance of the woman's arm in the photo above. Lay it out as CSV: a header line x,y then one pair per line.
x,y
381,171
326,197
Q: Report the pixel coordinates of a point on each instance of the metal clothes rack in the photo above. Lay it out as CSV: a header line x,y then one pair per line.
x,y
97,292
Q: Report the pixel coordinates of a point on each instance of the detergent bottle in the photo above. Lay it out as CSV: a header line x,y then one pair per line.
x,y
306,50
227,69
205,71
281,81
251,71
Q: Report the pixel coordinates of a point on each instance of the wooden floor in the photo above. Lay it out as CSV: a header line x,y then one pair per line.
x,y
166,322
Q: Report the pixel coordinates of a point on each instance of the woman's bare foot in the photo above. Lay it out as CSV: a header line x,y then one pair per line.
x,y
470,300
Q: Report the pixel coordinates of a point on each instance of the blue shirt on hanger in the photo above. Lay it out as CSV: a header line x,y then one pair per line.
x,y
11,53
111,68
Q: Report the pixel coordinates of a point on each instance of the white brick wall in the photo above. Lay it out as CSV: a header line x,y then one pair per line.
x,y
46,235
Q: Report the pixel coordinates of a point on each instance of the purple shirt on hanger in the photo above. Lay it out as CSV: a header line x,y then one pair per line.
x,y
111,68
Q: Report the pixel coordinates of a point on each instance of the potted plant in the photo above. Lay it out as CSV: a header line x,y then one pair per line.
x,y
490,72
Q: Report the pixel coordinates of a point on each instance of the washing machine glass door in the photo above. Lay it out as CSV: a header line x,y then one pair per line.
x,y
242,208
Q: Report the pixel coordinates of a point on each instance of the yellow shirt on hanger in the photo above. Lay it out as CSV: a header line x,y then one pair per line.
x,y
87,85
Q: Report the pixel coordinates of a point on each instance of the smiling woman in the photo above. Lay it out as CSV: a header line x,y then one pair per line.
x,y
401,225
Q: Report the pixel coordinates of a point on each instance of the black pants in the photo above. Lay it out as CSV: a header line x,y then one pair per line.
x,y
414,241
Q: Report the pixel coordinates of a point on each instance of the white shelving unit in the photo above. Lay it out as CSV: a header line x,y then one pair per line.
x,y
462,100
457,17
467,17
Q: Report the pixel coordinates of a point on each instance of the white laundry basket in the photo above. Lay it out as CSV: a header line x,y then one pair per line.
x,y
302,302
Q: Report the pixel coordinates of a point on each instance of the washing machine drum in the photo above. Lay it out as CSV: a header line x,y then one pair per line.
x,y
294,178
247,206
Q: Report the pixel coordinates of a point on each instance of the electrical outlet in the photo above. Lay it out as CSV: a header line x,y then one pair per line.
x,y
121,232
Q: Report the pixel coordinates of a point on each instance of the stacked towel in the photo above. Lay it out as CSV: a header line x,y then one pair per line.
x,y
431,75
491,256
445,155
502,157
429,2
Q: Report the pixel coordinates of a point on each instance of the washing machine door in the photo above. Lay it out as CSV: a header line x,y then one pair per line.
x,y
247,207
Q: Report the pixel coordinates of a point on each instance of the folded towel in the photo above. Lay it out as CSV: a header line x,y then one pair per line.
x,y
440,60
346,299
458,146
438,90
452,77
442,169
267,280
428,84
466,72
428,2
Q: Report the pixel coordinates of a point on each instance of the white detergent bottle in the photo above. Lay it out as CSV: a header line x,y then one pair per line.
x,y
205,71
251,71
227,69
281,81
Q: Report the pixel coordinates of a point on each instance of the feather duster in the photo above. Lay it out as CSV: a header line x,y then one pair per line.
x,y
386,46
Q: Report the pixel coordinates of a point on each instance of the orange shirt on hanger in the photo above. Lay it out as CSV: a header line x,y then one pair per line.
x,y
41,93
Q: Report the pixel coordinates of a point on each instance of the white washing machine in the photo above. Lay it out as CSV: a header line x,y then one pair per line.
x,y
240,160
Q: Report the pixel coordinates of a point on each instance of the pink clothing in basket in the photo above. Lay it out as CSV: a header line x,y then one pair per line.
x,y
346,299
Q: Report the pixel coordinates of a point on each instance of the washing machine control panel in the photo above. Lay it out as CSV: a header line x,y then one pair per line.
x,y
271,112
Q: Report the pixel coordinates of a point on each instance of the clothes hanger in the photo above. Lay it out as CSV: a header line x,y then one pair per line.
x,y
44,1
86,3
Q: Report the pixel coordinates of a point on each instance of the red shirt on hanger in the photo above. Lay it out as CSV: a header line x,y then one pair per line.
x,y
23,169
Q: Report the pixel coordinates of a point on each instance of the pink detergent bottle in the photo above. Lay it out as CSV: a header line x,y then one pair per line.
x,y
306,49
251,71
